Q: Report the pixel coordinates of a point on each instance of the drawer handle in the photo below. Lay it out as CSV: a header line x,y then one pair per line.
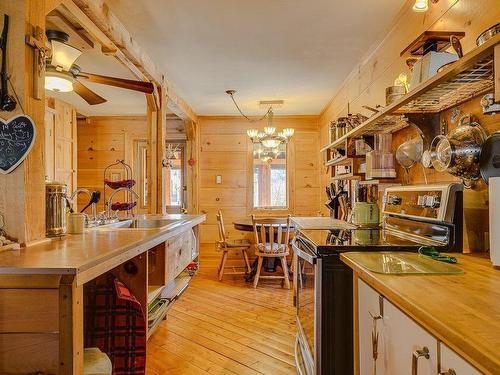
x,y
449,372
375,340
424,352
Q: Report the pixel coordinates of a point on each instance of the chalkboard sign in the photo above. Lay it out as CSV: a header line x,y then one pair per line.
x,y
17,136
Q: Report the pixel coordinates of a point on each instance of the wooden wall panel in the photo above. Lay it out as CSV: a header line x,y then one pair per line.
x,y
102,141
382,64
225,150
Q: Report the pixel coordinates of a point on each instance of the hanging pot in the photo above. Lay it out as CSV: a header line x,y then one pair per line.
x,y
458,153
490,157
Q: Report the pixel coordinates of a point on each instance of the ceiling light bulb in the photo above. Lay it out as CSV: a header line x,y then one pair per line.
x,y
421,5
252,133
58,82
261,135
288,132
270,143
63,55
269,130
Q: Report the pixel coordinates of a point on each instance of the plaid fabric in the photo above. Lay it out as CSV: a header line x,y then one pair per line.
x,y
116,325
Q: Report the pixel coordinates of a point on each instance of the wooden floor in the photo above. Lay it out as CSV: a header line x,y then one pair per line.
x,y
226,328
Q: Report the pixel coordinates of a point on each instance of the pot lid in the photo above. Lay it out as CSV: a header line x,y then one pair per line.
x,y
489,161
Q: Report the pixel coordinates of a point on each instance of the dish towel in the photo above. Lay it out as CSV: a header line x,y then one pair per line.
x,y
116,325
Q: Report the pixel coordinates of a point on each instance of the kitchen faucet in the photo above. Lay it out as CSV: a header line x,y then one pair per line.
x,y
110,201
89,222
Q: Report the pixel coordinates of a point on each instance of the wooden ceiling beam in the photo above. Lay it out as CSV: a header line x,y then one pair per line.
x,y
96,17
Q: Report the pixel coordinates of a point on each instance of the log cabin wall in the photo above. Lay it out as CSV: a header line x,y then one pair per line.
x,y
226,150
101,141
382,64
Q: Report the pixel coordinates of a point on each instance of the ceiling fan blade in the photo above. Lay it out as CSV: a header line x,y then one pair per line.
x,y
87,94
129,84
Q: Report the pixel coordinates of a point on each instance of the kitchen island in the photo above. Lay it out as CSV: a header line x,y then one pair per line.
x,y
41,286
460,314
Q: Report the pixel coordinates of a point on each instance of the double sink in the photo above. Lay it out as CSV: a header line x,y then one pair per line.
x,y
143,224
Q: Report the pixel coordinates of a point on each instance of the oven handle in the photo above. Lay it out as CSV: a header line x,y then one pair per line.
x,y
297,363
304,254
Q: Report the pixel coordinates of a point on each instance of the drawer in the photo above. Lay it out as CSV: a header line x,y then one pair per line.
x,y
178,255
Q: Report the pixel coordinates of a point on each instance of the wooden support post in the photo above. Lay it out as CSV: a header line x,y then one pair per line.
x,y
22,192
192,152
152,118
70,327
161,151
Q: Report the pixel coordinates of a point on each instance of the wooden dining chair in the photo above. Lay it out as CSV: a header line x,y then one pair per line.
x,y
225,245
272,237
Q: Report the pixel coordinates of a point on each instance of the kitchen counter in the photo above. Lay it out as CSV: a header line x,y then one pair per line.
x,y
92,253
463,311
319,222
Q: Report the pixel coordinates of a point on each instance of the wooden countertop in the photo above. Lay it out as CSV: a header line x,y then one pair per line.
x,y
92,253
463,311
320,222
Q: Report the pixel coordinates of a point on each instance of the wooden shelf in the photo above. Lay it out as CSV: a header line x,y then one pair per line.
x,y
470,76
343,160
154,291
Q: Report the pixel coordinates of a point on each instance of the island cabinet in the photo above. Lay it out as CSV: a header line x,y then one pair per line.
x,y
391,343
45,308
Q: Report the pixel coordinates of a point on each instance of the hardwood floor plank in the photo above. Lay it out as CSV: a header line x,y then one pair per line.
x,y
226,328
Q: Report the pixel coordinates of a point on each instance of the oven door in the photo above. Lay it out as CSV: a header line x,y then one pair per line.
x,y
307,305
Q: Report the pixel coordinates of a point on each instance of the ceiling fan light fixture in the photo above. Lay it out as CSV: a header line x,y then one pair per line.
x,y
59,81
421,6
63,55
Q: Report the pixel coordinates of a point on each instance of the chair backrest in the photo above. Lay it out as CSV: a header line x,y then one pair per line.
x,y
272,234
220,227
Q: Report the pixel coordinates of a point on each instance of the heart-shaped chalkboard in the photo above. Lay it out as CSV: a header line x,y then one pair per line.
x,y
17,136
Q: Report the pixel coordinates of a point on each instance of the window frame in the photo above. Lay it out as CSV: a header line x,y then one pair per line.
x,y
289,168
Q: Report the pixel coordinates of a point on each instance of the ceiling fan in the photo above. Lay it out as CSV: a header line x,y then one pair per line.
x,y
63,75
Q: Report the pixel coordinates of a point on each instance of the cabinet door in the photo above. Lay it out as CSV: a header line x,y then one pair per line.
x,y
369,312
453,364
404,339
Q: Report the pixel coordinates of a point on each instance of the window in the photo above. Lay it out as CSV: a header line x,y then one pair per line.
x,y
175,176
269,178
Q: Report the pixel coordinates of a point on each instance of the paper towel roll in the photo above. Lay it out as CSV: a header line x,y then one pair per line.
x,y
494,208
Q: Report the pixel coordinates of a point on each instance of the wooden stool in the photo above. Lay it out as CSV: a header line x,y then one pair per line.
x,y
225,245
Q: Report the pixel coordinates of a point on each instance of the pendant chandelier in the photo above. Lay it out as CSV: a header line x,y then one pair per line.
x,y
268,141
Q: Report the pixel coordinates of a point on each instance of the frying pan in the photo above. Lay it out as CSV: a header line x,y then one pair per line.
x,y
489,162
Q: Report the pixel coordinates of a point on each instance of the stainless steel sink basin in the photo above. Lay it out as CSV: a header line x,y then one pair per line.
x,y
398,263
142,224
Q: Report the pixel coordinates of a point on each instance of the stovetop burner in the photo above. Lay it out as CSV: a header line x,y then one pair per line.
x,y
334,241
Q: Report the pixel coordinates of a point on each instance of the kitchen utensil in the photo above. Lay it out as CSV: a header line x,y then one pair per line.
x,y
365,214
458,153
55,209
489,162
380,164
393,93
432,253
488,104
76,223
7,102
409,153
488,34
457,46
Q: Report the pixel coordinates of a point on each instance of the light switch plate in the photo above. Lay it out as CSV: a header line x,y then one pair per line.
x,y
218,179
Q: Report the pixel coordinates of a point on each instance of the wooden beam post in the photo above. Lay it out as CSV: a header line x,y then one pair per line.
x,y
22,192
192,153
152,118
161,151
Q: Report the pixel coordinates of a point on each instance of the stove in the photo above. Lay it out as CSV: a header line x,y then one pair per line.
x,y
412,217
